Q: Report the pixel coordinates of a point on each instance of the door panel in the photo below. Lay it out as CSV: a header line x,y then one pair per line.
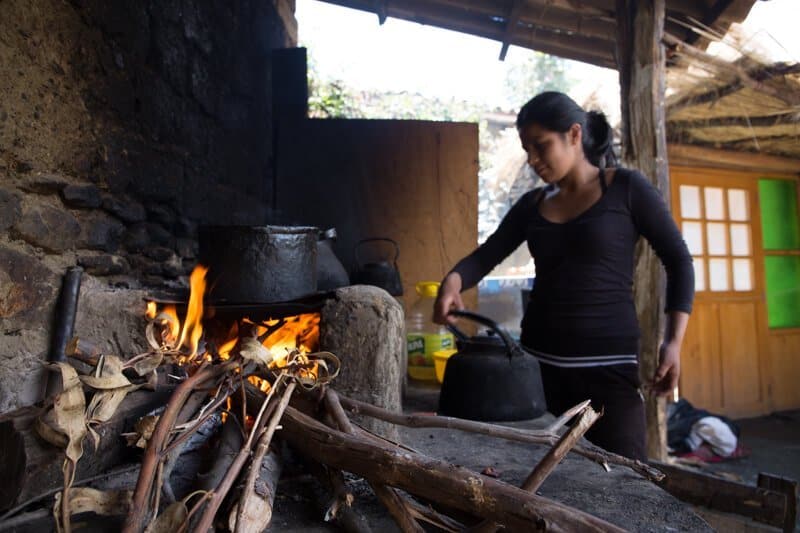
x,y
722,357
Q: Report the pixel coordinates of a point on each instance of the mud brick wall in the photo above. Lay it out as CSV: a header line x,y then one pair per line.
x,y
123,126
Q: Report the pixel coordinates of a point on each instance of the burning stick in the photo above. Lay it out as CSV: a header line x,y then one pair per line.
x,y
222,490
140,505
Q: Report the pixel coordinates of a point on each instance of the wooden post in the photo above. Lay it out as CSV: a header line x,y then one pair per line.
x,y
641,65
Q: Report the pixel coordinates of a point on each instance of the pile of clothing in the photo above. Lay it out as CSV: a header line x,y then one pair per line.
x,y
697,434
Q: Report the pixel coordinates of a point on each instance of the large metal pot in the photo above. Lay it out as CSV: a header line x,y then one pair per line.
x,y
259,264
490,378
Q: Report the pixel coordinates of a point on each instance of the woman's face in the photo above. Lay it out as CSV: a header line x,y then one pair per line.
x,y
551,154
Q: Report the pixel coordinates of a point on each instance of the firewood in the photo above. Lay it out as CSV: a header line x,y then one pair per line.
x,y
434,480
211,508
253,513
43,463
393,502
141,509
546,437
551,459
338,507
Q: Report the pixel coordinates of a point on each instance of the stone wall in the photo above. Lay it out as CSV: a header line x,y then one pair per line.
x,y
123,126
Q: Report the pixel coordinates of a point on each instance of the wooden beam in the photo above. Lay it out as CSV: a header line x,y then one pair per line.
x,y
642,80
695,156
766,504
380,10
511,23
588,49
711,16
716,122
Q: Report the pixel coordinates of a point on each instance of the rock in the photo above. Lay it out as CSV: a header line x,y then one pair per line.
x,y
159,234
102,232
159,253
137,238
10,208
186,228
186,248
161,214
44,184
364,326
124,208
82,196
173,267
52,229
103,265
26,287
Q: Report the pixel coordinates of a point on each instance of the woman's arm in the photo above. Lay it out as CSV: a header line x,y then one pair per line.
x,y
469,271
669,368
654,221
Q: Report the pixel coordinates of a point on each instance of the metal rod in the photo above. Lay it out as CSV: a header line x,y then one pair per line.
x,y
64,322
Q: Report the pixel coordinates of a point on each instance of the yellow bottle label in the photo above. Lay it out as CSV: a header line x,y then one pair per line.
x,y
422,345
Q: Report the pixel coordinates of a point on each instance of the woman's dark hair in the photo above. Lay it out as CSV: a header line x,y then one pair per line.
x,y
556,111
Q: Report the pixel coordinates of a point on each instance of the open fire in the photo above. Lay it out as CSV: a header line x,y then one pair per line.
x,y
198,336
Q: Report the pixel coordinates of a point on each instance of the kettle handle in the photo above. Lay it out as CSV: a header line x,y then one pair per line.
x,y
513,347
373,239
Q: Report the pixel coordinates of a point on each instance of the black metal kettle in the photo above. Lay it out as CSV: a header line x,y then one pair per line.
x,y
382,273
490,378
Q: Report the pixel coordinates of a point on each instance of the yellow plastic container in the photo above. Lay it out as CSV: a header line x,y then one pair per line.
x,y
423,336
440,358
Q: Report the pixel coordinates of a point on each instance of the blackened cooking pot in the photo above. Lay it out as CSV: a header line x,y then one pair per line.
x,y
490,378
259,264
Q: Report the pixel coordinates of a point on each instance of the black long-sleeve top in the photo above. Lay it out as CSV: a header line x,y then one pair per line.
x,y
581,310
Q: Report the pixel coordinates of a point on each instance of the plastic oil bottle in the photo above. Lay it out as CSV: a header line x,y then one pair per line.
x,y
423,335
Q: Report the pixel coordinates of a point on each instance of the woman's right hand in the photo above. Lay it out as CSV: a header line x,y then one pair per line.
x,y
449,298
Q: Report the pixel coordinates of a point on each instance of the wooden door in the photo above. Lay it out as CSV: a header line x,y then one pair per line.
x,y
722,362
413,181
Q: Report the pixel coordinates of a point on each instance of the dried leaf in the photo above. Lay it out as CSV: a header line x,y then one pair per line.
x,y
108,375
149,363
44,428
85,500
69,408
105,403
252,350
170,520
143,430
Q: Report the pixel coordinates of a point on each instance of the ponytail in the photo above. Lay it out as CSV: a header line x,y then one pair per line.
x,y
556,111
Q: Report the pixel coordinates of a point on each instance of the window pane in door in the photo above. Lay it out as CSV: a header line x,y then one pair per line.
x,y
717,240
690,201
718,274
742,275
783,290
778,201
693,235
740,239
715,203
699,274
737,205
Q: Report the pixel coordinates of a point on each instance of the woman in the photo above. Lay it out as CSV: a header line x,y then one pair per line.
x,y
582,229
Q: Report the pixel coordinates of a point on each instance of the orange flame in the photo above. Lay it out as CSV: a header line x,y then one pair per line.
x,y
152,308
192,327
299,332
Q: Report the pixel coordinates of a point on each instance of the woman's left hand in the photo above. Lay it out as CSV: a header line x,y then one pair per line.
x,y
669,369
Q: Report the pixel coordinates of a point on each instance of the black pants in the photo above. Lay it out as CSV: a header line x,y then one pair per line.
x,y
615,390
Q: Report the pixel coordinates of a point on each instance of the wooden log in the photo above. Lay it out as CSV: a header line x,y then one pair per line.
x,y
253,513
393,502
343,514
42,462
547,436
551,459
642,71
759,503
435,480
